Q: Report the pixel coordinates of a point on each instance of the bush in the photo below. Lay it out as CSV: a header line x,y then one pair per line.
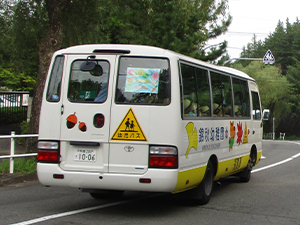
x,y
12,115
21,165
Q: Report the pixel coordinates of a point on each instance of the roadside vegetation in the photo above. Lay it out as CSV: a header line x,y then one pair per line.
x,y
21,165
279,84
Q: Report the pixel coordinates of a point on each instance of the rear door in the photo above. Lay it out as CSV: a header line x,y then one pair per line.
x,y
138,112
85,112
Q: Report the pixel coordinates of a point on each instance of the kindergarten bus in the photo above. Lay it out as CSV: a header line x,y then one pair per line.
x,y
129,117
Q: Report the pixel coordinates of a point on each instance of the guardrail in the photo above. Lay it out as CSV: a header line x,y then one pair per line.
x,y
12,149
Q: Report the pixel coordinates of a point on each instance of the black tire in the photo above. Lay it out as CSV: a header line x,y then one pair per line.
x,y
202,193
107,194
245,175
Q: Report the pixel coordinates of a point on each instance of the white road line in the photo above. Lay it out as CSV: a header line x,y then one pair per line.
x,y
272,165
281,162
54,216
41,219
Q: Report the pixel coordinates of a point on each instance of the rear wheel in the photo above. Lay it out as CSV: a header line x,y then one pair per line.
x,y
245,175
202,193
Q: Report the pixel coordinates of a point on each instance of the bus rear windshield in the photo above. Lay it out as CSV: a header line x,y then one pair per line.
x,y
143,81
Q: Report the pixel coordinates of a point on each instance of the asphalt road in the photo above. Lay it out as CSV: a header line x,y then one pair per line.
x,y
271,197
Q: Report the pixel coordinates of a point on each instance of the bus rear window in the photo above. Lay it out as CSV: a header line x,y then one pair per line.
x,y
88,85
143,81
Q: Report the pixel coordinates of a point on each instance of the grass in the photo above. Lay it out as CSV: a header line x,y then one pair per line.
x,y
292,138
21,165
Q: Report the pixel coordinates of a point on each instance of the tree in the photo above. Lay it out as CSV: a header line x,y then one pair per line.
x,y
273,87
48,25
291,122
284,43
253,50
50,43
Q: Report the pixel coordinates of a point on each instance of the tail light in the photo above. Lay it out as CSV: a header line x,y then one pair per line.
x,y
48,151
163,157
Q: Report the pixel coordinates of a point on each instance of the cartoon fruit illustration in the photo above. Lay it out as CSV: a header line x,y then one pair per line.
x,y
232,135
71,120
155,75
82,126
129,80
239,133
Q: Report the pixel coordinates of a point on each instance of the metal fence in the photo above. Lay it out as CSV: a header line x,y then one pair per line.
x,y
12,155
13,107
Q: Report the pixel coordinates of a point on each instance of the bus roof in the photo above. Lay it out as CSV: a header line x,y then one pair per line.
x,y
150,50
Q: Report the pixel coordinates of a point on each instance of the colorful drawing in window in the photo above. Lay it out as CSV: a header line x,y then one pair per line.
x,y
142,80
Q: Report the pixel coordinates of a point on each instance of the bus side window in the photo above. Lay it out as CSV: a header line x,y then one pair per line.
x,y
203,92
190,101
222,97
53,92
196,94
256,111
241,98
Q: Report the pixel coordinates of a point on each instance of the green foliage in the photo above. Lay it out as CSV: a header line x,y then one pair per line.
x,y
4,166
24,130
21,165
24,127
16,81
255,49
179,25
273,87
284,43
34,29
21,29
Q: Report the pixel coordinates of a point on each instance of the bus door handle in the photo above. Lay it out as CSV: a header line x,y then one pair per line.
x,y
62,109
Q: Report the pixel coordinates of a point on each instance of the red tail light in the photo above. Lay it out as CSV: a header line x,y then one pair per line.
x,y
163,161
47,156
48,151
163,157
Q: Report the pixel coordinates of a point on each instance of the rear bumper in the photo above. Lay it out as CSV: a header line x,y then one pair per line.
x,y
162,180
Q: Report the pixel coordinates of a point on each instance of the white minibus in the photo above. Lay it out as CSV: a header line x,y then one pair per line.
x,y
129,117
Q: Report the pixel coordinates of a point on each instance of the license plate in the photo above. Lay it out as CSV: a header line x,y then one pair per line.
x,y
85,155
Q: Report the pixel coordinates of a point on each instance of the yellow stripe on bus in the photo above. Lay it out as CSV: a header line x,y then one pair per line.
x,y
189,179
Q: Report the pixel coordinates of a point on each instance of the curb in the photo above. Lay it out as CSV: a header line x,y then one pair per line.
x,y
15,178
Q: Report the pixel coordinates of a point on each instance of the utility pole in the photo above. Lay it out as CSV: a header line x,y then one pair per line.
x,y
273,128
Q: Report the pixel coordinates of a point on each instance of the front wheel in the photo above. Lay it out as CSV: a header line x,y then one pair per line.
x,y
202,193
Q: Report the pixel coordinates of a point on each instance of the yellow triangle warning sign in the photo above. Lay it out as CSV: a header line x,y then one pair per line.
x,y
129,129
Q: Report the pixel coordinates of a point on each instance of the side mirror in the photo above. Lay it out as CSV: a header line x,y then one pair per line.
x,y
266,113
